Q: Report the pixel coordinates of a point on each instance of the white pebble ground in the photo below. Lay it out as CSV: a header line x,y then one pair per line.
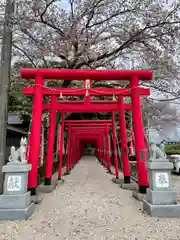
x,y
89,206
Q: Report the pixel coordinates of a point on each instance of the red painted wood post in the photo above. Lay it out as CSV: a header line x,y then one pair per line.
x,y
124,149
50,145
61,147
139,136
108,150
97,152
94,152
101,150
116,165
68,149
77,151
73,151
104,150
82,151
59,140
35,134
70,152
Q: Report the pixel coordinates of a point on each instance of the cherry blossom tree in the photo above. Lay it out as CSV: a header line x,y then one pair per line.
x,y
123,34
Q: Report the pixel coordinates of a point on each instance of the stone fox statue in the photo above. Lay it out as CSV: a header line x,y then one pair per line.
x,y
19,155
157,152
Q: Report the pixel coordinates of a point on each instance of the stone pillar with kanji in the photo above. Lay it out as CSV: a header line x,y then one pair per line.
x,y
15,202
160,199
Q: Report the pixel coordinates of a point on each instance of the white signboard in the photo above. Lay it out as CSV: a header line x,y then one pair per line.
x,y
87,83
14,183
162,179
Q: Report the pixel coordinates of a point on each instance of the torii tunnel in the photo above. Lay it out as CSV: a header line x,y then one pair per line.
x,y
90,131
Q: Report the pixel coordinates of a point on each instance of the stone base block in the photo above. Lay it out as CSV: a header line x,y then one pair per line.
x,y
60,181
117,181
36,199
47,188
161,197
15,201
110,172
17,214
139,196
129,186
161,210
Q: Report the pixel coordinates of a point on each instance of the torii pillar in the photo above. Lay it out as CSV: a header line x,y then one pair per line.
x,y
124,148
139,136
35,133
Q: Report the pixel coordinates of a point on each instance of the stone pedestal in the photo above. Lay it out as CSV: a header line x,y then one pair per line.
x,y
129,186
117,180
160,199
47,188
137,195
133,169
15,202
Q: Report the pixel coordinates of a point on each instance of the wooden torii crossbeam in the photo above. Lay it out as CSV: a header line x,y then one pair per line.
x,y
81,106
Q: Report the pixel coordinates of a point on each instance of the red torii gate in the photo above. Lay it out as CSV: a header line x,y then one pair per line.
x,y
81,136
105,106
87,130
93,137
39,90
89,127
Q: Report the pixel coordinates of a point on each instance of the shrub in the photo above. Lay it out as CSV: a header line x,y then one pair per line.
x,y
172,149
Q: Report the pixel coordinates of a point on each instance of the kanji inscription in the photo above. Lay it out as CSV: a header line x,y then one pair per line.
x,y
162,179
14,183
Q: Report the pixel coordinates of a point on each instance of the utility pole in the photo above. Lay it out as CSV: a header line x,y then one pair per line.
x,y
5,69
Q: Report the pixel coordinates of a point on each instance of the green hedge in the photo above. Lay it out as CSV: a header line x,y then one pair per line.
x,y
172,149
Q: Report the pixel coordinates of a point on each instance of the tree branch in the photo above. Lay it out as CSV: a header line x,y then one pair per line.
x,y
37,42
127,43
25,54
71,2
59,31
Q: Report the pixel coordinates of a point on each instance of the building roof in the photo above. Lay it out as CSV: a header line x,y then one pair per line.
x,y
14,119
17,130
14,123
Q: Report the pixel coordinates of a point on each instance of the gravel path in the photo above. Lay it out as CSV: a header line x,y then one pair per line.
x,y
90,206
